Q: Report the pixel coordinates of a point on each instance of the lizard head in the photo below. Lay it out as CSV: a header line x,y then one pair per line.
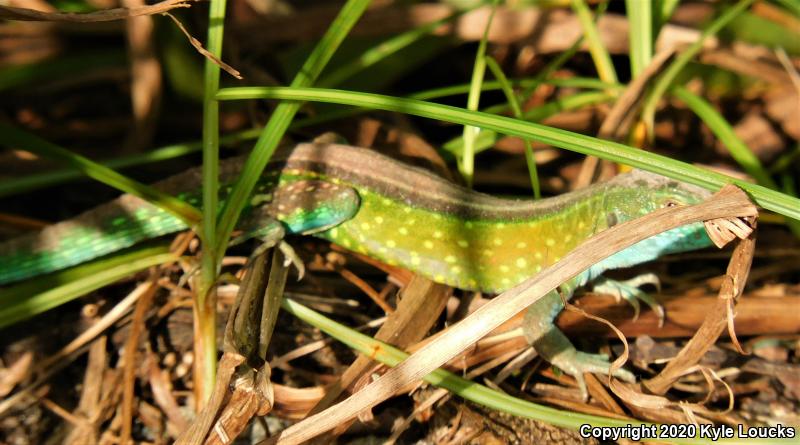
x,y
638,193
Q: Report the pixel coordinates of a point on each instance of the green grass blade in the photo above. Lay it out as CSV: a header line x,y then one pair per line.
x,y
485,141
663,11
600,56
281,118
33,297
665,80
11,136
791,5
492,85
381,51
640,34
467,162
48,179
720,127
37,181
216,20
517,110
588,145
27,183
205,313
487,138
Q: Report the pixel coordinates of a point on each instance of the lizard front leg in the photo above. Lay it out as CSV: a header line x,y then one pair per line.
x,y
630,292
300,207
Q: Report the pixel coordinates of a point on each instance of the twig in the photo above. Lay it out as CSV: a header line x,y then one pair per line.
x,y
106,15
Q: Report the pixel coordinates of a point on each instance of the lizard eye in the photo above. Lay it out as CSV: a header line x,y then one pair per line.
x,y
671,203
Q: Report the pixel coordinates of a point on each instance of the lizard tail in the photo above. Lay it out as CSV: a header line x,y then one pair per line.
x,y
103,230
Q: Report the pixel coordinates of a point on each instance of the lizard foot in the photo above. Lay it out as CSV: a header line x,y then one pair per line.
x,y
292,258
271,235
630,292
556,348
576,363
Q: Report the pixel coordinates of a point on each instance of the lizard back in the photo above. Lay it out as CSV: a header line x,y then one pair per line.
x,y
407,216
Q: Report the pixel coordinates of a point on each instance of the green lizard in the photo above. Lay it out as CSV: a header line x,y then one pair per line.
x,y
401,215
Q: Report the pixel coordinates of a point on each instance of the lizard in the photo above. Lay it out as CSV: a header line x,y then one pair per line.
x,y
401,215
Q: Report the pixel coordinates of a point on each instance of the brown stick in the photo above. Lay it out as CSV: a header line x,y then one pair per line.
x,y
754,316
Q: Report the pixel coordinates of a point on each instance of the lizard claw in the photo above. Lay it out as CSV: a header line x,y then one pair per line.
x,y
292,259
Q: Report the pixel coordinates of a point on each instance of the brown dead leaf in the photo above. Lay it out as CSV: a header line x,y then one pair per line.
x,y
758,134
146,83
620,118
783,105
722,313
295,403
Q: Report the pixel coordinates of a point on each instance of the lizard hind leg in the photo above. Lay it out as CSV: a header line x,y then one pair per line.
x,y
541,332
